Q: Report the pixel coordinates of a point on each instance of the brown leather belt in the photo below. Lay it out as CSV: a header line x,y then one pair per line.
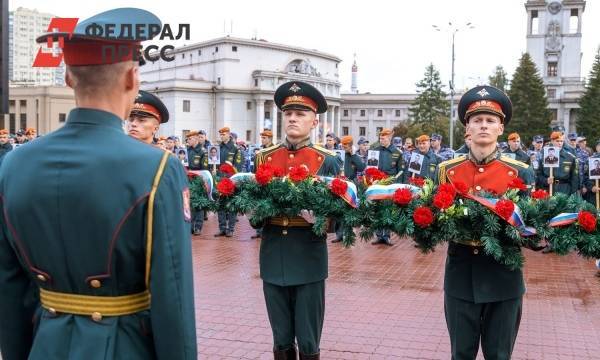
x,y
294,221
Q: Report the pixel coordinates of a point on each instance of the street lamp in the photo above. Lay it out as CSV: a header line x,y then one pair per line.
x,y
453,29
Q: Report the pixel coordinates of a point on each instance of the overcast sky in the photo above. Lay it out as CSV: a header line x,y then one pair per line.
x,y
393,40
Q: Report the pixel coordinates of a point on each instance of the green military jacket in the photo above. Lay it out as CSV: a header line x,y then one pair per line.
x,y
352,164
519,155
428,167
566,175
390,160
295,255
470,275
75,215
196,157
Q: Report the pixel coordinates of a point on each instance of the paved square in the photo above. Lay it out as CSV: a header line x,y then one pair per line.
x,y
385,302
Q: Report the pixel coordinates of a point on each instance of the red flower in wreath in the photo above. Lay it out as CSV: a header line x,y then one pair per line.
x,y
227,169
375,174
278,172
417,181
402,197
460,186
298,173
423,216
339,187
226,187
447,188
539,194
518,184
264,174
443,200
505,208
587,221
191,176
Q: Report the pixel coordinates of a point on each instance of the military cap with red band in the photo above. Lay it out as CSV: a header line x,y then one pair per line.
x,y
299,95
485,99
84,47
147,104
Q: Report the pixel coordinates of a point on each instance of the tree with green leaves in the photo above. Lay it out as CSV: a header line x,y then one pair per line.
x,y
430,106
588,121
499,79
530,105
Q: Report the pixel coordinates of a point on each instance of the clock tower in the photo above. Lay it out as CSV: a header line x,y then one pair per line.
x,y
554,43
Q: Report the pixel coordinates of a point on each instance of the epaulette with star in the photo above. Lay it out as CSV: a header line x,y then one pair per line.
x,y
443,166
511,161
323,150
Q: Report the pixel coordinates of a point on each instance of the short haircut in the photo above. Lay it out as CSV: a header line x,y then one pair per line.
x,y
89,80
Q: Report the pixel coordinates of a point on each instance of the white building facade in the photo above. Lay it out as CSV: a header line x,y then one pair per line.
x,y
24,27
554,43
231,82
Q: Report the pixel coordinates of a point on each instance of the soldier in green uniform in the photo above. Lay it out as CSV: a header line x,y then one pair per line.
x,y
95,251
231,155
196,152
390,162
147,115
483,298
352,165
266,140
514,149
464,149
426,169
565,177
293,260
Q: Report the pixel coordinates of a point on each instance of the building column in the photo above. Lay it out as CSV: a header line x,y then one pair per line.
x,y
388,121
566,119
260,118
371,131
338,119
274,121
353,130
330,123
323,121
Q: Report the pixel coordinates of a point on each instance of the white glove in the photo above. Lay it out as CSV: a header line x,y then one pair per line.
x,y
308,215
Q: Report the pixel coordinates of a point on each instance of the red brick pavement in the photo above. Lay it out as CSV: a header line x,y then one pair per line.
x,y
385,303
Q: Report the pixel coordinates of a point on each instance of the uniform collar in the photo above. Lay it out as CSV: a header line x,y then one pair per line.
x,y
493,156
304,143
95,117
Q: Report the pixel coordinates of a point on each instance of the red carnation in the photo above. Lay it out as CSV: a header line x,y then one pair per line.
x,y
339,187
518,184
587,221
264,174
443,200
460,186
447,188
423,216
191,175
375,174
402,197
226,169
417,181
505,208
539,194
226,187
298,173
278,172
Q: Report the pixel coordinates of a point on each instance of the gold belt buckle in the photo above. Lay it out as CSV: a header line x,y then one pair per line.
x,y
285,221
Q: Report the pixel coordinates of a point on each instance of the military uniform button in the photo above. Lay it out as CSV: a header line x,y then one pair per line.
x,y
284,232
52,311
481,169
478,188
286,221
41,278
269,159
96,316
451,172
319,158
291,156
510,173
95,283
475,251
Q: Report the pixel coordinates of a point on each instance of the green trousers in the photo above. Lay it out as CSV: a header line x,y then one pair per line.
x,y
495,324
296,313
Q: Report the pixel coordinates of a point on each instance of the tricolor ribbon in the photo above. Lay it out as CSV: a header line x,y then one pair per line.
x,y
515,219
351,194
207,178
385,192
236,178
563,219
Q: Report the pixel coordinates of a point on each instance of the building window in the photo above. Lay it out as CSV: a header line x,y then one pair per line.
x,y
379,113
23,121
234,48
248,135
363,112
362,131
397,113
23,103
345,130
199,52
553,115
62,117
183,56
551,93
248,105
345,112
216,49
255,82
552,68
267,114
535,23
11,103
218,81
12,125
378,130
574,22
186,106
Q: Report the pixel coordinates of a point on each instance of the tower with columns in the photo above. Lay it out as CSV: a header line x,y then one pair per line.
x,y
354,87
554,43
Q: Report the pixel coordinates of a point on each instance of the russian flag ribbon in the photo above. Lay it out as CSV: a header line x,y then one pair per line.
x,y
516,218
563,219
207,178
385,192
351,195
